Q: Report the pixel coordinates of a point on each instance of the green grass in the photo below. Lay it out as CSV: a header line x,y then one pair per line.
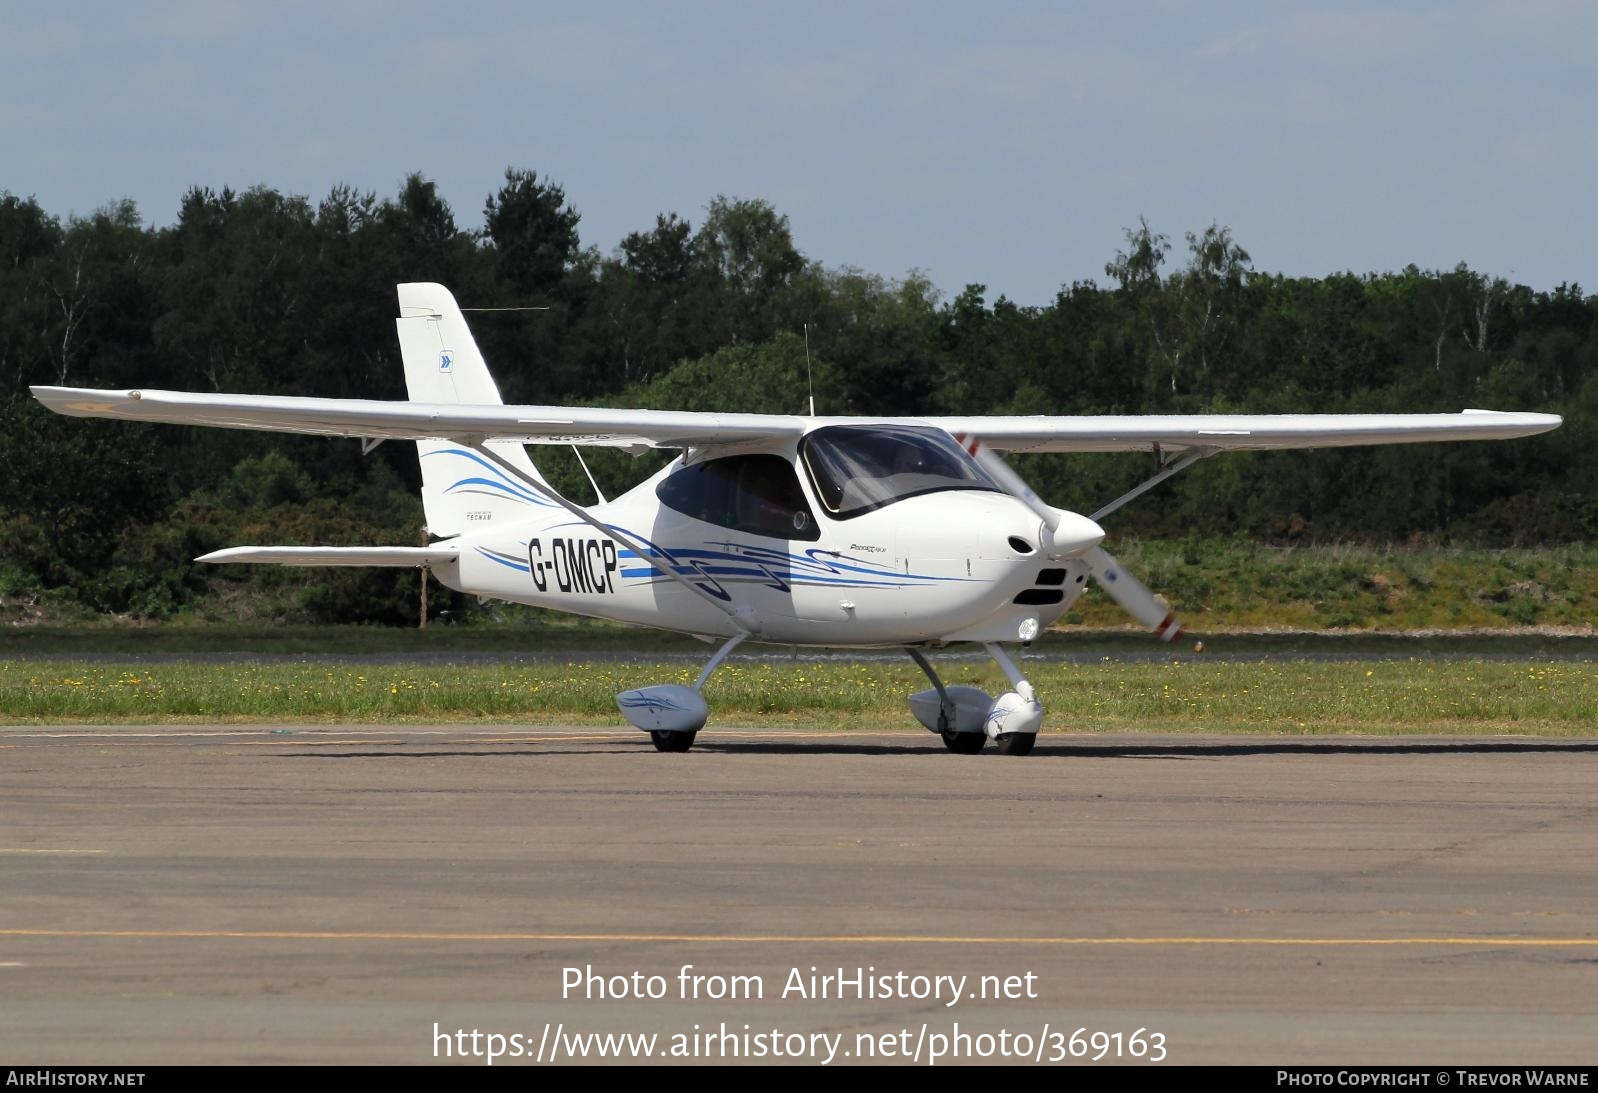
x,y
1195,694
573,635
613,639
1224,583
1216,585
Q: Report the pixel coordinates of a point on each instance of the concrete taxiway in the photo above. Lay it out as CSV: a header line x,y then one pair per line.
x,y
306,894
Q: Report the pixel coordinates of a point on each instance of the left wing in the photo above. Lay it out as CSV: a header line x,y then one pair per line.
x,y
372,418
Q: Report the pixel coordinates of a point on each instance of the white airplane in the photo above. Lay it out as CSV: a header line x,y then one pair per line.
x,y
816,531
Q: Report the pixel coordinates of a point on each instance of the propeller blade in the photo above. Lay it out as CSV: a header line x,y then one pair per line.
x,y
1068,533
1132,594
998,470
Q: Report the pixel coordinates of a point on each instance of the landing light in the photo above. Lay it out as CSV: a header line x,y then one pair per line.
x,y
1028,630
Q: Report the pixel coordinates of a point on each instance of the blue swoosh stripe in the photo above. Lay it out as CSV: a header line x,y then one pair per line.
x,y
784,570
835,582
489,482
501,480
503,560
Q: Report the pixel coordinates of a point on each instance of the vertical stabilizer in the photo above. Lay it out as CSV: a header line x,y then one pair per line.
x,y
461,491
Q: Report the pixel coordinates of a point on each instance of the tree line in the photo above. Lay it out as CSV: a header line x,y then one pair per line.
x,y
261,291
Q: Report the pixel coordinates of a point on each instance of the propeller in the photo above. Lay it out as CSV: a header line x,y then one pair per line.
x,y
1133,595
1069,535
1065,534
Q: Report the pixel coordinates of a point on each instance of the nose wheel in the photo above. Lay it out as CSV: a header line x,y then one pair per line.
x,y
967,718
1016,743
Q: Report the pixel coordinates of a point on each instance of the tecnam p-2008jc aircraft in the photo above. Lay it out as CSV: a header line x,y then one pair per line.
x,y
819,531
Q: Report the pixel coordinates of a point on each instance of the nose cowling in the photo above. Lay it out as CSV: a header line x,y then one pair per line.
x,y
1071,535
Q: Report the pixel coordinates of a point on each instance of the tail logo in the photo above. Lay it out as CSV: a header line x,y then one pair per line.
x,y
446,360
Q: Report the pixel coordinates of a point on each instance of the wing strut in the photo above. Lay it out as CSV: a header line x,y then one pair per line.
x,y
1170,466
583,463
609,532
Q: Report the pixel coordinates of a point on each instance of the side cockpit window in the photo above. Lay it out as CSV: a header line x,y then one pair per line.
x,y
756,494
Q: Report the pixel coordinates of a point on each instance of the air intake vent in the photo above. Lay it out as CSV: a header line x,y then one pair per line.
x,y
1020,545
1040,596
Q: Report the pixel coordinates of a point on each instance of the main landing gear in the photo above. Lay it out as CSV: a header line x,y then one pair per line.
x,y
672,741
670,713
967,718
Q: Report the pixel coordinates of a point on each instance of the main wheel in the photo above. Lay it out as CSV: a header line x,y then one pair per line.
x,y
964,743
673,741
1016,743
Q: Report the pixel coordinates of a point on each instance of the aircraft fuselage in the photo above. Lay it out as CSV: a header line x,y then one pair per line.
x,y
944,566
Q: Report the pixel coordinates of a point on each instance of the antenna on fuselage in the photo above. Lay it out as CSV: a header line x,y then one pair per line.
x,y
809,383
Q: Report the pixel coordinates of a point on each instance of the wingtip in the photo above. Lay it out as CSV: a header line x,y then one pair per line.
x,y
80,401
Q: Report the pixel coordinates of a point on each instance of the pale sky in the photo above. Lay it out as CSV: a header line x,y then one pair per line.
x,y
1007,144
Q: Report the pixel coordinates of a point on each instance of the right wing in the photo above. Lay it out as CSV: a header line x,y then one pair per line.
x,y
372,418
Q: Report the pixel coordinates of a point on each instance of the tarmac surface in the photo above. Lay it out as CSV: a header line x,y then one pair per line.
x,y
192,894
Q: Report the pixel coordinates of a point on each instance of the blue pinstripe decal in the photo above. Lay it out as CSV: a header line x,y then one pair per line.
x,y
511,489
506,560
745,563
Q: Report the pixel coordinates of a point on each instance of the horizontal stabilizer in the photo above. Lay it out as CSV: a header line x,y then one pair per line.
x,y
373,555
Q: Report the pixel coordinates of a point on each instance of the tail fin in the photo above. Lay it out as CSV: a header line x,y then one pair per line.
x,y
461,490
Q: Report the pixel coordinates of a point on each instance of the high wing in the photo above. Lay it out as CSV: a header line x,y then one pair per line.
x,y
424,420
375,419
1239,432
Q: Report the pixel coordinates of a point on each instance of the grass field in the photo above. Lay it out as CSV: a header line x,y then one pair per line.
x,y
1214,584
1224,583
1539,697
1359,598
592,637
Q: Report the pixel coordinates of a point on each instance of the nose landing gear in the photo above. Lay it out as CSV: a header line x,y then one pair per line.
x,y
967,718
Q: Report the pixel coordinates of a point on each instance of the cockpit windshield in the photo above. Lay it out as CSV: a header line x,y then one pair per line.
x,y
857,468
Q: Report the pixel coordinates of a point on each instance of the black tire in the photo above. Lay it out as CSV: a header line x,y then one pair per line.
x,y
673,741
964,743
1016,743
